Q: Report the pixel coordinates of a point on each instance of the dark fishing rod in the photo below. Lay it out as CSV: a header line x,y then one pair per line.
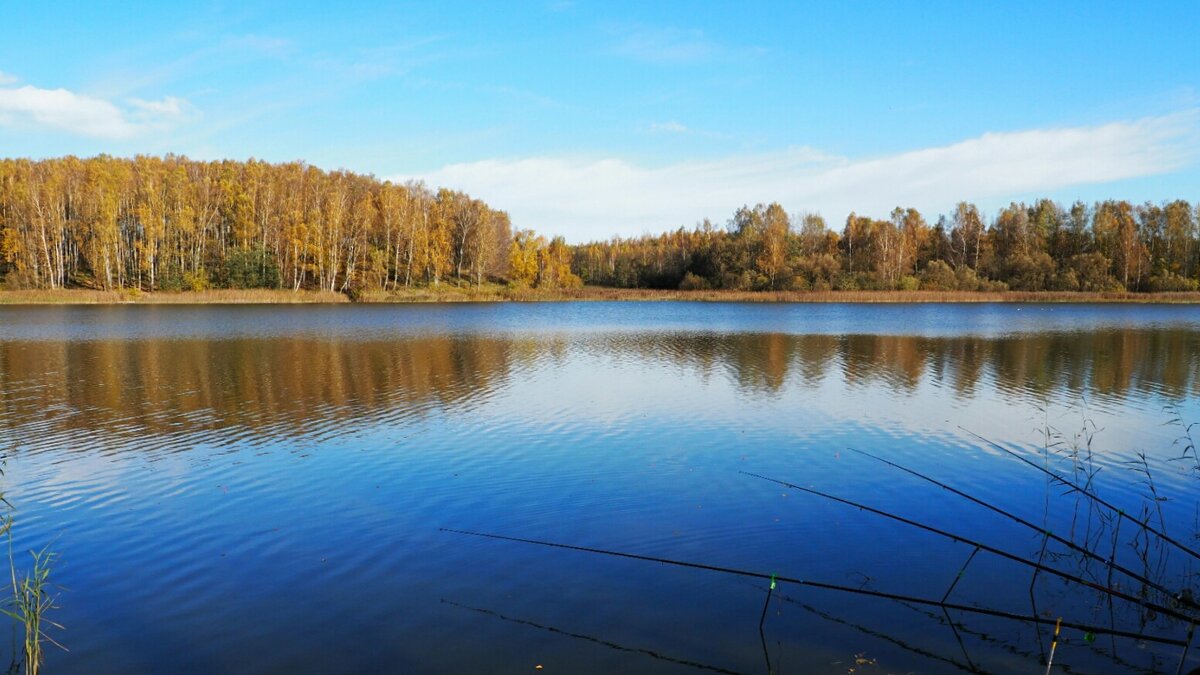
x,y
1090,495
1165,611
1111,563
830,587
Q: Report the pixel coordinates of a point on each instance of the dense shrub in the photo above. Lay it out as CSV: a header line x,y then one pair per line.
x,y
249,268
820,269
17,280
693,282
798,282
1029,272
196,281
1172,283
938,276
1064,280
1091,271
846,282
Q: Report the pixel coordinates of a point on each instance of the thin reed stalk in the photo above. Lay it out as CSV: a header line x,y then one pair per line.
x,y
1114,592
1070,485
31,602
1046,533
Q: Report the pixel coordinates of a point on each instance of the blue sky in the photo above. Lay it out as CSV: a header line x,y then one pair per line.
x,y
598,118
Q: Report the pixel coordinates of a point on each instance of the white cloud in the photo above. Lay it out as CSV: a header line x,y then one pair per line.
x,y
671,45
671,127
169,107
664,45
678,128
64,110
596,198
263,44
5,78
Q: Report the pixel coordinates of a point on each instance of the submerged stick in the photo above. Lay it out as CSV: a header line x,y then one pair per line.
x,y
1183,657
1090,495
1033,596
961,571
1166,611
819,584
762,634
1110,562
946,596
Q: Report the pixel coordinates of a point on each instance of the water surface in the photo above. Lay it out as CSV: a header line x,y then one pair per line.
x,y
260,489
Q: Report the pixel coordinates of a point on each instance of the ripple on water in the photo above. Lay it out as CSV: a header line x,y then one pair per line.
x,y
258,489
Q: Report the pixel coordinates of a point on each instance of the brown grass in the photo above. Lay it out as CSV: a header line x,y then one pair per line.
x,y
875,296
444,293
499,293
211,297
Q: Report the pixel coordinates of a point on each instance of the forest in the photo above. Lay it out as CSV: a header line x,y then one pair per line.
x,y
1107,246
170,224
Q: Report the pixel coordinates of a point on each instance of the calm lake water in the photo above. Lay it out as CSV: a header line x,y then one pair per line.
x,y
261,489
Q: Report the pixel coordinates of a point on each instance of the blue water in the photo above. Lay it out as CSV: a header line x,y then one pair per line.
x,y
260,489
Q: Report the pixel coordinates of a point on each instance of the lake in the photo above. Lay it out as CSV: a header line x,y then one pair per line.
x,y
262,489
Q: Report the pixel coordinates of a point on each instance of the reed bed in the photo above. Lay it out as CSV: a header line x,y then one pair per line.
x,y
903,297
74,296
501,293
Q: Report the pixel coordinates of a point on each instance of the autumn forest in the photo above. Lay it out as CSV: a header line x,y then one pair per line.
x,y
171,224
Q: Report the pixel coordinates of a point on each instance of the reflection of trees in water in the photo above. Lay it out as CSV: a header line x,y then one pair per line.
x,y
168,385
165,385
1114,362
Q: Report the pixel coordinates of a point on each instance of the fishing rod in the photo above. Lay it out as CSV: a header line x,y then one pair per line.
x,y
1111,563
826,586
1090,495
1166,611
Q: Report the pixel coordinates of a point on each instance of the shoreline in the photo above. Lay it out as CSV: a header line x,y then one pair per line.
x,y
497,293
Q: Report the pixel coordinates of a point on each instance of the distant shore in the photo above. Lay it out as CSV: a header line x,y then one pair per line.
x,y
498,293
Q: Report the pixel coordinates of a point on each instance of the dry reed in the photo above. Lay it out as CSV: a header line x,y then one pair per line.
x,y
500,293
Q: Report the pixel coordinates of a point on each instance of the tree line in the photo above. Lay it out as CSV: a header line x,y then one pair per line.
x,y
1106,246
170,223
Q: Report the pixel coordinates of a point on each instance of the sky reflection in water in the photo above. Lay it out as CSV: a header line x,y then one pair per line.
x,y
258,489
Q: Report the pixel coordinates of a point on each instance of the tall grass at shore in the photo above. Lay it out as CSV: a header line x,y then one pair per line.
x,y
502,293
208,297
31,601
31,596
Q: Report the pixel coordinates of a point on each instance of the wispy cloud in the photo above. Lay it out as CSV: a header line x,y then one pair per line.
x,y
83,115
595,198
674,127
168,108
671,127
266,45
5,78
664,45
672,45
